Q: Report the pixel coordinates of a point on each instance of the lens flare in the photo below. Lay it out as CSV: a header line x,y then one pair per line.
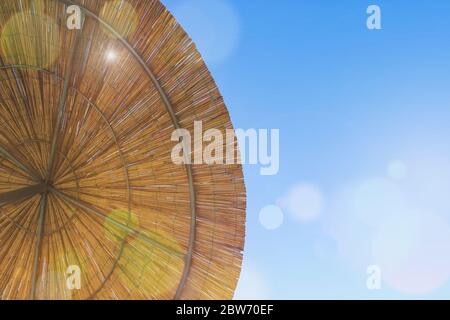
x,y
413,252
111,56
30,39
271,217
115,220
153,272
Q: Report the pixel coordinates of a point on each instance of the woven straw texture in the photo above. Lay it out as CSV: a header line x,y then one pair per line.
x,y
87,183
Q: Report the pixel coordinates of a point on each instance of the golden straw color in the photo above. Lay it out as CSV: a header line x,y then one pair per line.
x,y
91,204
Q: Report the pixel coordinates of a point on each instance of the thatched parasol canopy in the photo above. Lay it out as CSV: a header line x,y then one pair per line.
x,y
87,184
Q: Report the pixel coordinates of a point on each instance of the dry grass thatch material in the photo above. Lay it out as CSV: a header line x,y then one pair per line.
x,y
86,177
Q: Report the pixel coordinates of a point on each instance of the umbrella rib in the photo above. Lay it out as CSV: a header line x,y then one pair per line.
x,y
40,236
11,158
20,194
170,110
57,128
86,207
61,109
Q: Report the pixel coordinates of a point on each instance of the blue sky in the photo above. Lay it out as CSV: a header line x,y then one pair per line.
x,y
364,128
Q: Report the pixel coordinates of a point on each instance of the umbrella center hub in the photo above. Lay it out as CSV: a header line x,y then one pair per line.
x,y
45,187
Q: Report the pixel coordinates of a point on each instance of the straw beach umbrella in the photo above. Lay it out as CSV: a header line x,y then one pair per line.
x,y
91,204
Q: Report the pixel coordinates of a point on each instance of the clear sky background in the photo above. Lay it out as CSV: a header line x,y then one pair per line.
x,y
365,153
